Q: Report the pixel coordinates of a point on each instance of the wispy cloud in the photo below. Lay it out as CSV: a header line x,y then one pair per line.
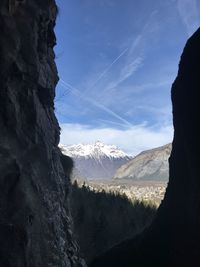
x,y
133,140
107,87
130,68
189,14
102,74
135,56
78,94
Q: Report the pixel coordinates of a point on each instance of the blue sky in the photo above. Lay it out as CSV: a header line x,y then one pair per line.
x,y
117,60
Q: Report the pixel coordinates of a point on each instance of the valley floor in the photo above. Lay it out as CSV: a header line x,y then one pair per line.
x,y
150,191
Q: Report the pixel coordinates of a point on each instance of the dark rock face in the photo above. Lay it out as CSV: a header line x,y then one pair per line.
x,y
35,221
174,237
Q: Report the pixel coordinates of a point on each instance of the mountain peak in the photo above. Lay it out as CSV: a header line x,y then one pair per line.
x,y
96,150
99,143
96,161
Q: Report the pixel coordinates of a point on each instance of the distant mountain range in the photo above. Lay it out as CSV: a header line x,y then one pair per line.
x,y
96,161
106,162
148,165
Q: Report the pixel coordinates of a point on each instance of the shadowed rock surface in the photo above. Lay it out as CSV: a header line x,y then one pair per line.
x,y
35,226
174,237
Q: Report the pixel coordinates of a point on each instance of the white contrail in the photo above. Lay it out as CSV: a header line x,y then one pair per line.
x,y
102,74
116,123
77,93
189,14
64,94
108,68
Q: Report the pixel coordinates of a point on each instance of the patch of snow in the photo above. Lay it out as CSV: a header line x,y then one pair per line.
x,y
97,151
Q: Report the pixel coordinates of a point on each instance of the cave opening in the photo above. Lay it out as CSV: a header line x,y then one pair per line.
x,y
116,65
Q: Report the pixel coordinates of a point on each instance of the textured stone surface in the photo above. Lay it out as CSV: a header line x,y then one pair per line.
x,y
174,237
149,165
34,222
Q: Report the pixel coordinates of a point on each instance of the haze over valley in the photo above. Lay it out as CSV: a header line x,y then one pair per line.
x,y
106,167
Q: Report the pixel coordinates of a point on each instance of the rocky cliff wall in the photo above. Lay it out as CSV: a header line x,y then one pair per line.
x,y
173,239
34,218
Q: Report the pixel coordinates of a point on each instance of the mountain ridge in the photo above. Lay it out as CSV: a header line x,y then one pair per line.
x,y
150,164
93,150
96,161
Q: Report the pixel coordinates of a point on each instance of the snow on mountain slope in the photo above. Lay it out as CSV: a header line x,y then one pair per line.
x,y
96,150
96,161
148,165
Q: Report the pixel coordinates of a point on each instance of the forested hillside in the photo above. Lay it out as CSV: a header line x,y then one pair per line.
x,y
102,219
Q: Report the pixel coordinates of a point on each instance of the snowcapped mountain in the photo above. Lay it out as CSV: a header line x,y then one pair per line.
x,y
148,165
96,161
